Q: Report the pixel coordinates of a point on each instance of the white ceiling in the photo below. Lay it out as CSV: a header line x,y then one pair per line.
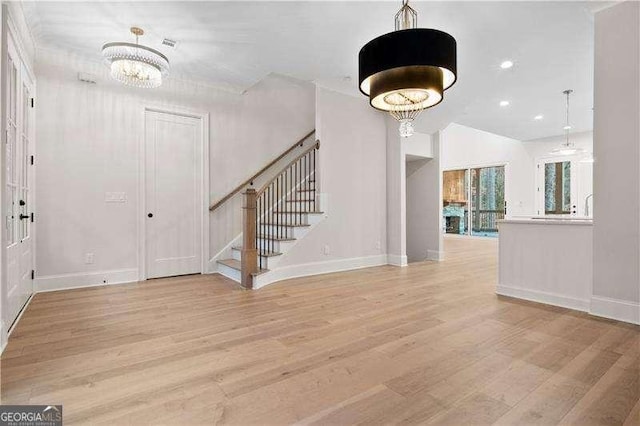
x,y
235,44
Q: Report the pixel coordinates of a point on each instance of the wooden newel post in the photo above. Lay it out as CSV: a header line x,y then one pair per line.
x,y
249,250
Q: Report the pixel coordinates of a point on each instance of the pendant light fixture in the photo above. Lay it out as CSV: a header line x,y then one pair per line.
x,y
567,147
406,71
134,64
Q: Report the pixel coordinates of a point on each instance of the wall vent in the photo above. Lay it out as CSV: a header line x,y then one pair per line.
x,y
169,43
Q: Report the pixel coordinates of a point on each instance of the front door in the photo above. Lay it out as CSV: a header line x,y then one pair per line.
x,y
19,183
173,194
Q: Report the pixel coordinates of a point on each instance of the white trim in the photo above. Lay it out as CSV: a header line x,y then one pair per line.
x,y
435,255
16,36
621,310
319,268
477,166
13,326
468,237
544,297
85,279
22,311
397,260
203,116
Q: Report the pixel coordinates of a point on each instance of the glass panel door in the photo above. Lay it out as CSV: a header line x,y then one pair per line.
x,y
557,188
487,200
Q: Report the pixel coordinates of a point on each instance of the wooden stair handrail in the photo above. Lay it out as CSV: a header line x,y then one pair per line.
x,y
239,188
316,145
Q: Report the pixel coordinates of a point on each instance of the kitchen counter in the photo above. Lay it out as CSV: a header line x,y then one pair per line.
x,y
546,260
537,220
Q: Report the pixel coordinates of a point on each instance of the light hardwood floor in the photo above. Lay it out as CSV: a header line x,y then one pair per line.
x,y
430,343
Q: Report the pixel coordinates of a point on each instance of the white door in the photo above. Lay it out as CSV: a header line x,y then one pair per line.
x,y
18,185
557,186
173,194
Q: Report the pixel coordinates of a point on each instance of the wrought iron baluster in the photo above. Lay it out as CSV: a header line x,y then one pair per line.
x,y
307,160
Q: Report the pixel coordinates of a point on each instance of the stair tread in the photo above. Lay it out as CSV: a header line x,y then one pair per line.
x,y
274,238
263,254
301,225
235,264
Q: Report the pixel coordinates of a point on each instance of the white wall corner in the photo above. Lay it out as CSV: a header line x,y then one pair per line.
x,y
621,310
85,279
397,260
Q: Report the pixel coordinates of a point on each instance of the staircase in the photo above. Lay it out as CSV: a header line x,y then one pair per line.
x,y
275,217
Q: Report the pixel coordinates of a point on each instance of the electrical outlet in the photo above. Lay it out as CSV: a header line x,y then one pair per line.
x,y
326,250
115,197
88,258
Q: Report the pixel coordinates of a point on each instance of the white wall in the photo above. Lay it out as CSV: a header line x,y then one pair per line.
x,y
539,150
396,195
353,183
88,143
616,239
464,147
423,198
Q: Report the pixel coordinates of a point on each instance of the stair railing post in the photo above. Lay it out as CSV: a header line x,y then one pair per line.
x,y
249,251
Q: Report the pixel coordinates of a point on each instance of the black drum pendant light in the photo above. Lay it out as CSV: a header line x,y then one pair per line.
x,y
407,70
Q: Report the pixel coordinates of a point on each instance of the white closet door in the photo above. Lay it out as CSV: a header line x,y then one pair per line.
x,y
173,188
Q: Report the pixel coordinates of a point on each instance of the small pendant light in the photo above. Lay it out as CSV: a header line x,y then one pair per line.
x,y
568,147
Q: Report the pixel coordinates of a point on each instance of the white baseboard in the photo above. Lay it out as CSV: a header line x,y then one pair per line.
x,y
397,260
621,310
85,279
318,268
544,297
435,255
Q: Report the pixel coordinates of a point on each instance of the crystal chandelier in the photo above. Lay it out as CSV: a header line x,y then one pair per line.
x,y
134,64
567,147
406,71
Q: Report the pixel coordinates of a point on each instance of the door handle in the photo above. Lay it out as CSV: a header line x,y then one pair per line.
x,y
24,216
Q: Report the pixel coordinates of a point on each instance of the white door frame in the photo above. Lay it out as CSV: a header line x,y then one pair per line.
x,y
204,199
10,31
539,181
468,168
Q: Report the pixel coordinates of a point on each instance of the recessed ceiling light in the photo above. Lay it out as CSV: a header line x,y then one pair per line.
x,y
538,117
506,65
504,103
